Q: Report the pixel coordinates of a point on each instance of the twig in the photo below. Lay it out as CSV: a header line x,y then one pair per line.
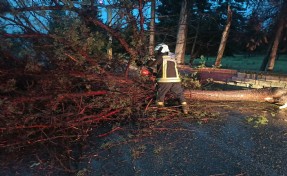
x,y
71,57
110,132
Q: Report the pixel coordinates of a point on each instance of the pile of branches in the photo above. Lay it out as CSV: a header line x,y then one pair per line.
x,y
61,108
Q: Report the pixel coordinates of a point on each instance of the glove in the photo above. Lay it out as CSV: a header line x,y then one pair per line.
x,y
139,63
149,63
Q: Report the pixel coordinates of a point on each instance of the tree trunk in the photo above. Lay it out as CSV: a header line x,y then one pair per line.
x,y
192,53
182,32
152,30
266,58
224,39
109,47
277,39
271,95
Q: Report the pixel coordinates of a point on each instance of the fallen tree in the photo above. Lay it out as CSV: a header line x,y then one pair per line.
x,y
59,109
271,95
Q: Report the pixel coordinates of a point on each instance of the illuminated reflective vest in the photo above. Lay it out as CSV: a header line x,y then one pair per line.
x,y
167,70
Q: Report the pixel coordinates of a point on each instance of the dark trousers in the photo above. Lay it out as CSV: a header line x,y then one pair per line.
x,y
175,88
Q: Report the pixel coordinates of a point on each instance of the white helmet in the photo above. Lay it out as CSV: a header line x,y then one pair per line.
x,y
163,46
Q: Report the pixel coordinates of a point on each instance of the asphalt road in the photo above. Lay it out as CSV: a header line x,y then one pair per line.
x,y
228,144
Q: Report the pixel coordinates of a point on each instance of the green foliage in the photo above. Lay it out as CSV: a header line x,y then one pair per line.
x,y
119,62
204,115
32,66
138,152
219,66
243,63
158,149
190,81
9,86
64,82
202,62
82,172
19,48
257,121
73,38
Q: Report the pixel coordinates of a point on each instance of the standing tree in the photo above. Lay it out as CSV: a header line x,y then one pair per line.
x,y
193,55
281,25
152,29
224,38
267,27
182,33
204,23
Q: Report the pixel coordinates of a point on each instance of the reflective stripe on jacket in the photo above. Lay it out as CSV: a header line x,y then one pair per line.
x,y
167,70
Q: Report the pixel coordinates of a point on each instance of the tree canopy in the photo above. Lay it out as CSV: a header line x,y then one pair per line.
x,y
252,29
65,64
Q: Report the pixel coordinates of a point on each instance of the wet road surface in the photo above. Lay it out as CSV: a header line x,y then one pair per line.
x,y
226,145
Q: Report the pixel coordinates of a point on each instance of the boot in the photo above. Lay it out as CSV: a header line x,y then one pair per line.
x,y
184,107
160,104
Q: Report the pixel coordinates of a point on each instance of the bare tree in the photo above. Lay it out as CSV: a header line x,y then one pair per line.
x,y
281,26
123,15
193,54
182,32
152,29
224,38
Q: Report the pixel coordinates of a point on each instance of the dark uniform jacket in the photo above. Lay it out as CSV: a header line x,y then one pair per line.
x,y
167,71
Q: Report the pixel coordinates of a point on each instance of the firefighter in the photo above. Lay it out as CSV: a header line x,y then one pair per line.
x,y
167,77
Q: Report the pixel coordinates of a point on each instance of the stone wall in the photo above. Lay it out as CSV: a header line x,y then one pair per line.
x,y
258,80
243,79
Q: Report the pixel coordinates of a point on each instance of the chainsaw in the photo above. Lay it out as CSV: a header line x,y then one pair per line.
x,y
146,71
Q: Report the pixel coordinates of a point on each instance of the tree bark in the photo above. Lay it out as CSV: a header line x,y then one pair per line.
x,y
271,95
182,32
277,39
152,30
109,48
266,58
192,53
224,38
